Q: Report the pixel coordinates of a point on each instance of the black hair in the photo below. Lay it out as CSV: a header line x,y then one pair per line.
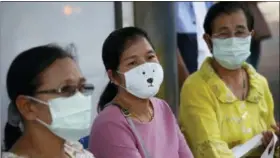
x,y
23,78
112,50
226,8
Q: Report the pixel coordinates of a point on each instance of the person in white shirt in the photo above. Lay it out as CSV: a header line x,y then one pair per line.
x,y
189,28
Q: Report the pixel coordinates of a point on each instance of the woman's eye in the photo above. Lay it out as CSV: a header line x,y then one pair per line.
x,y
68,89
240,33
132,63
224,34
152,57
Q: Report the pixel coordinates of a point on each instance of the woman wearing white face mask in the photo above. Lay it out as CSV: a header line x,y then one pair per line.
x,y
50,94
132,123
227,101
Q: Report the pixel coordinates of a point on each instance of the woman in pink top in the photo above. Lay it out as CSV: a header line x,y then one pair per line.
x,y
132,123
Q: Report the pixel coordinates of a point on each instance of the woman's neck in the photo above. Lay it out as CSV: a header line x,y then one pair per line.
x,y
133,104
225,73
39,141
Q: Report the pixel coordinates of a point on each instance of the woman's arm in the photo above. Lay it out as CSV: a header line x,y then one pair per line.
x,y
184,149
111,140
183,72
271,123
270,105
199,123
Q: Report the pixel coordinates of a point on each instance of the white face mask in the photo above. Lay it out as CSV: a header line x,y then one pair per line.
x,y
71,117
231,53
144,80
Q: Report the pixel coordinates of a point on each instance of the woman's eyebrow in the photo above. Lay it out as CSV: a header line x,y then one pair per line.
x,y
223,29
71,81
130,57
150,52
240,27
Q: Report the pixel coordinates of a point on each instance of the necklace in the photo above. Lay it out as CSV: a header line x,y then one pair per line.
x,y
128,113
244,85
138,118
244,92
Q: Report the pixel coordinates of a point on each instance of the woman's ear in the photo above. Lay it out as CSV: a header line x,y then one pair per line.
x,y
26,108
207,39
253,33
110,74
113,77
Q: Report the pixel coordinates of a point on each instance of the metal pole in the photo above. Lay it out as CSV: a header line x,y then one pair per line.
x,y
118,15
157,18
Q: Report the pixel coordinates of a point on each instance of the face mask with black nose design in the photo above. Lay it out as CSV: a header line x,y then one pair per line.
x,y
144,80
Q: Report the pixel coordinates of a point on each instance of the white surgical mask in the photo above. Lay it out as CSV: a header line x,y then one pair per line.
x,y
231,53
71,116
144,80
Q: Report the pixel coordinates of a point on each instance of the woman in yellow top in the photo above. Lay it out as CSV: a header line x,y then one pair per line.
x,y
226,102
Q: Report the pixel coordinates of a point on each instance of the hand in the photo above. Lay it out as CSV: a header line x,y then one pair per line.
x,y
276,128
277,132
267,135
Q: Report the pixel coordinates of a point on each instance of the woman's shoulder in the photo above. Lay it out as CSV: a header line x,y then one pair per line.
x,y
161,105
256,79
158,102
195,84
110,115
197,81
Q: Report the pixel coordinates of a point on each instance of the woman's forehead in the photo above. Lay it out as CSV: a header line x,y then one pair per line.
x,y
139,47
62,70
230,21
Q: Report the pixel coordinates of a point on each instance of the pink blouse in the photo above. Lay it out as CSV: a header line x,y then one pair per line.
x,y
112,137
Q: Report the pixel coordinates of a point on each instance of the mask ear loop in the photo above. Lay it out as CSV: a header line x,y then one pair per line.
x,y
44,103
124,111
210,43
118,72
37,100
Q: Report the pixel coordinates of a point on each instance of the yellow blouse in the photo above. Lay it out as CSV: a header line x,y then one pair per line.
x,y
213,120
